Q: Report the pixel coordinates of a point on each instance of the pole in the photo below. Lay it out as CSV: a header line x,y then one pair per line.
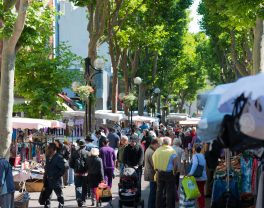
x,y
90,114
131,118
86,118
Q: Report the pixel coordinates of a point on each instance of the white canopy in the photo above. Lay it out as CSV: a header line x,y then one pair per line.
x,y
32,123
144,119
99,114
73,114
190,121
107,114
251,86
177,117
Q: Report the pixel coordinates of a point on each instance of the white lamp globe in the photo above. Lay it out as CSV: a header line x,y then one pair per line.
x,y
157,90
137,80
121,96
99,63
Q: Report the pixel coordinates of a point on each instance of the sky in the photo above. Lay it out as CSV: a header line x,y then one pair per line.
x,y
194,24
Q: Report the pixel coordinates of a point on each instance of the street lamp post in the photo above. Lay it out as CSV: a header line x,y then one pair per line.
x,y
157,92
138,81
89,74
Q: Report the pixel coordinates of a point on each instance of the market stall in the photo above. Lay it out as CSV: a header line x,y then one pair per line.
x,y
29,140
233,120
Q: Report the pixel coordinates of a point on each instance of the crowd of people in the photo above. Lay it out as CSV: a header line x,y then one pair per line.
x,y
159,152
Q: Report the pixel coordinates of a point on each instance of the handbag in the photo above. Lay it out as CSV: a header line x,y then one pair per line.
x,y
43,197
230,135
252,119
198,171
190,188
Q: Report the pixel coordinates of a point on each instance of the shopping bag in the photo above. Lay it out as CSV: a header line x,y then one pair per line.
x,y
190,188
184,203
103,193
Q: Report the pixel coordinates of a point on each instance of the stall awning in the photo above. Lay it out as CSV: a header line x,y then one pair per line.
x,y
177,117
190,122
32,123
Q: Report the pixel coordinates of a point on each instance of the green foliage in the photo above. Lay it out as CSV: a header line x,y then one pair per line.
x,y
229,24
40,77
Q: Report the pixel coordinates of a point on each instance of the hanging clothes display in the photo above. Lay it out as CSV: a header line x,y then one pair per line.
x,y
246,174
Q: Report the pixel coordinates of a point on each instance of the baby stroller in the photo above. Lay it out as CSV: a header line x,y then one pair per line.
x,y
128,189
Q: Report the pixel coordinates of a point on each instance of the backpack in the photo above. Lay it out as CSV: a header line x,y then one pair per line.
x,y
80,163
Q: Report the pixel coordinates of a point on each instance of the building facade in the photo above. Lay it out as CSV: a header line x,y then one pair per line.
x,y
71,28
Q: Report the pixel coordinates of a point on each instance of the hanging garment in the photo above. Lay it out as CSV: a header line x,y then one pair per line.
x,y
246,174
259,203
219,188
254,175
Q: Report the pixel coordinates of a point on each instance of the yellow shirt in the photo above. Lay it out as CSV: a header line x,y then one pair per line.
x,y
162,157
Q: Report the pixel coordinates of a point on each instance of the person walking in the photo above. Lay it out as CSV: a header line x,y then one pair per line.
x,y
166,165
78,162
120,153
96,172
134,157
7,187
150,172
181,156
107,154
54,170
146,140
114,139
199,158
89,143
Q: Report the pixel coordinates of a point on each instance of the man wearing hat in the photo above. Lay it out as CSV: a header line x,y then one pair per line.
x,y
89,143
78,162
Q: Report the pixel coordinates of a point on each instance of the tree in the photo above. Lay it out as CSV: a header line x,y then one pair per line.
x,y
11,30
97,16
41,76
20,24
236,29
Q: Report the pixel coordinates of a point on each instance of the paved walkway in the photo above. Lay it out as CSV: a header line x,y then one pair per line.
x,y
69,196
70,202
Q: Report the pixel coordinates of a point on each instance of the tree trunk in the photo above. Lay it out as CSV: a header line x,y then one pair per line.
x,y
114,60
141,98
7,99
258,48
96,25
158,103
155,66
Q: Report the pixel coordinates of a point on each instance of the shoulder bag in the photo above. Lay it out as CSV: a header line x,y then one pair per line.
x,y
198,171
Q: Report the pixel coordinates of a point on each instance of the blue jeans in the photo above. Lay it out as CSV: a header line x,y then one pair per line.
x,y
81,188
152,194
71,176
121,168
